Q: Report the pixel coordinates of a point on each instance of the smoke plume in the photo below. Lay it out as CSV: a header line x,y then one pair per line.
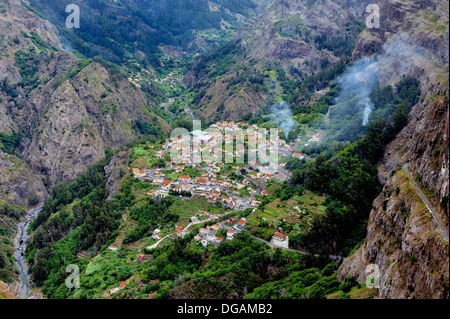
x,y
357,84
282,115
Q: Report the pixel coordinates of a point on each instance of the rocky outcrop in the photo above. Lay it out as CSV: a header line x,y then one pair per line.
x,y
402,238
403,242
17,182
5,292
80,118
115,170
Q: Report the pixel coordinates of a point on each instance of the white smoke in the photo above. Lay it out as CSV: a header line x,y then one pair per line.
x,y
282,115
357,84
400,56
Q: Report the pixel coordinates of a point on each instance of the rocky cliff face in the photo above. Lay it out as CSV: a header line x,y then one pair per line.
x,y
115,170
402,238
17,181
65,111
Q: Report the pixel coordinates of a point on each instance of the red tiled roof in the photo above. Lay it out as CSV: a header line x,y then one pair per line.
x,y
280,235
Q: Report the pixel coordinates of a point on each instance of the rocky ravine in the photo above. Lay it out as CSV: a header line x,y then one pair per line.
x,y
402,237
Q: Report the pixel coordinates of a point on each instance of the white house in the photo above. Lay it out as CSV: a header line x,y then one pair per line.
x,y
280,240
230,234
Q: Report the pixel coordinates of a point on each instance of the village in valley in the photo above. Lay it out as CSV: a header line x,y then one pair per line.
x,y
215,200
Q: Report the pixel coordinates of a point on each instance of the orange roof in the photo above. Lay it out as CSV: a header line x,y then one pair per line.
x,y
123,284
152,295
230,231
280,235
184,176
219,238
241,222
201,181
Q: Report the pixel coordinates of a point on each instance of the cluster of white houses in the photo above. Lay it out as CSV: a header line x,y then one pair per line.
x,y
206,185
189,150
208,234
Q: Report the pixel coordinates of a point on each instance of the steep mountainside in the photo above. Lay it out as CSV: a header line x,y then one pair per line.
x,y
122,29
403,239
290,40
64,111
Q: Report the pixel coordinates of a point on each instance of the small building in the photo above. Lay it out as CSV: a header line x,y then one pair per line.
x,y
230,234
113,248
194,219
166,184
280,240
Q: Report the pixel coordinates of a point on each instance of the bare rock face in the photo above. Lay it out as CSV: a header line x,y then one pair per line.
x,y
5,292
80,118
17,181
115,170
66,138
402,237
72,113
403,242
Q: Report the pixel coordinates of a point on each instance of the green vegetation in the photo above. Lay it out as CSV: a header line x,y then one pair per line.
x,y
347,172
145,128
28,63
150,213
116,31
305,284
10,215
8,143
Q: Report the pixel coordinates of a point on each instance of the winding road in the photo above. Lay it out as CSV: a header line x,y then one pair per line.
x,y
443,230
20,245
